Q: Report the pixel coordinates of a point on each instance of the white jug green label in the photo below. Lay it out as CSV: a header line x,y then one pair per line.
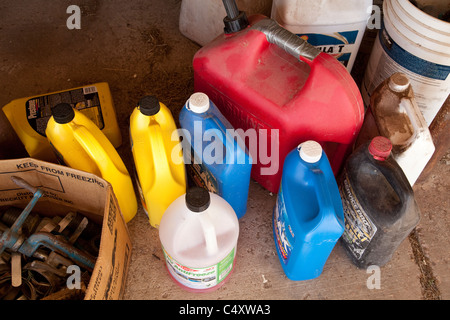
x,y
200,278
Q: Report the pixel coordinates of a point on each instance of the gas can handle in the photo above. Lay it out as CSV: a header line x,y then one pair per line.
x,y
286,40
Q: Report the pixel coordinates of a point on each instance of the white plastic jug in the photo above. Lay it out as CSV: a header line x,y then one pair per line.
x,y
335,26
199,233
202,21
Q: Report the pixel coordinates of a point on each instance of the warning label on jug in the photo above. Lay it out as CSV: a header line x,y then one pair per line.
x,y
284,235
359,229
86,100
200,174
200,278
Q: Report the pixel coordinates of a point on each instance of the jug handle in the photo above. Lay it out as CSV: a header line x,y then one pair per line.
x,y
286,40
158,147
93,148
229,142
400,185
324,198
416,118
209,233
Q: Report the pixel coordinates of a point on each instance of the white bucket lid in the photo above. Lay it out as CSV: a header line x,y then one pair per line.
x,y
310,151
198,102
417,32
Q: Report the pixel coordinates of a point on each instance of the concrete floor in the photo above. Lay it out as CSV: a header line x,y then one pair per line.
x,y
137,48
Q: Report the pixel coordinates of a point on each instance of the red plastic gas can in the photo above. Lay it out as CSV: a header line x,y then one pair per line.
x,y
269,80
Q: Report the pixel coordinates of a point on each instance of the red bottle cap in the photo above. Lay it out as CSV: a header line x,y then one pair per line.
x,y
380,148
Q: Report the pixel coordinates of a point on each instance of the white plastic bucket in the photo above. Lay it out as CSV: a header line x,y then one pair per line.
x,y
416,44
202,20
335,27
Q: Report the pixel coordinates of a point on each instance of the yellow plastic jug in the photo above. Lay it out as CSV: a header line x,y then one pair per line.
x,y
80,144
158,157
29,116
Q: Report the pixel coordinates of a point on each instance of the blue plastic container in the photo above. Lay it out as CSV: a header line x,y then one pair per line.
x,y
215,155
308,218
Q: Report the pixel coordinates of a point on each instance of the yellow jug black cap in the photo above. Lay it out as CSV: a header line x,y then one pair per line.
x,y
197,199
149,105
63,113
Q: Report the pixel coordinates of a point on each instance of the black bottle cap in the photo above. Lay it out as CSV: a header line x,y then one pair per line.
x,y
235,24
197,199
149,105
63,113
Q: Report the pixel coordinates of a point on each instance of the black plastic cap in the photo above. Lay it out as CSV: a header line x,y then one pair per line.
x,y
235,24
197,199
63,113
149,105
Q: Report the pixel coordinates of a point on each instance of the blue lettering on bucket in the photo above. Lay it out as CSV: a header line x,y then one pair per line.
x,y
411,62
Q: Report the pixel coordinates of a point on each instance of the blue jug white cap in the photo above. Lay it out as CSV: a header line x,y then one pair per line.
x,y
198,102
310,151
399,82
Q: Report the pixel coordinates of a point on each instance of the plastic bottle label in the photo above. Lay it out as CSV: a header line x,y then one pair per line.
x,y
341,45
430,81
284,235
85,99
200,278
359,229
200,174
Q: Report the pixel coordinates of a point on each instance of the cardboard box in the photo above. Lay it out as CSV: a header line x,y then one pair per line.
x,y
65,190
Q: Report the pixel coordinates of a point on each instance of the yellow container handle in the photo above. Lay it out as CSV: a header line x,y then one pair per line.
x,y
94,149
156,137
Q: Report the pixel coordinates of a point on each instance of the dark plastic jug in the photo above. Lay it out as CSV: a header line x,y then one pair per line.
x,y
379,206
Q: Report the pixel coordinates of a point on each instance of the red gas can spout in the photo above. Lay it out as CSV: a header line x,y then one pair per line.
x,y
235,20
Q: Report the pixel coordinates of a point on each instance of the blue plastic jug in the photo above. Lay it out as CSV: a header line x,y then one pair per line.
x,y
308,218
214,153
